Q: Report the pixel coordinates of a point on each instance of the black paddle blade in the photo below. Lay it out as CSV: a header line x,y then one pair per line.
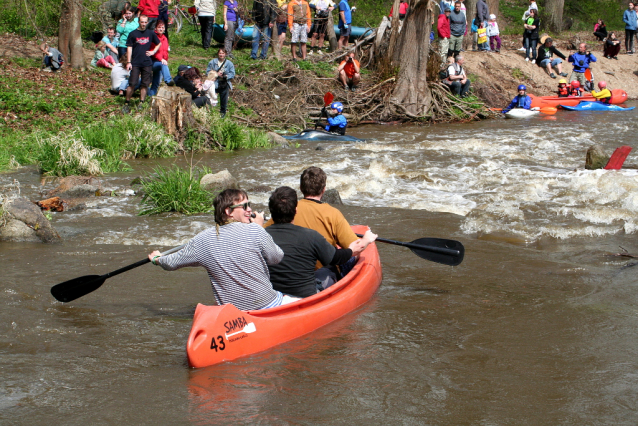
x,y
451,259
77,287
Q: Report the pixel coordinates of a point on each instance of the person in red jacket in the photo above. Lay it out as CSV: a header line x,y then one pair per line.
x,y
443,27
149,8
160,60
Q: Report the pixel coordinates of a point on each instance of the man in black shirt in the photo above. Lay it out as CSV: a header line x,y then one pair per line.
x,y
302,247
138,54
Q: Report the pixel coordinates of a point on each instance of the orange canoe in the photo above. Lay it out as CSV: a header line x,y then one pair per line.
x,y
618,97
224,333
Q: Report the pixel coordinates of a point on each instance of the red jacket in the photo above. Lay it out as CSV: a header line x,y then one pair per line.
x,y
443,26
162,53
149,8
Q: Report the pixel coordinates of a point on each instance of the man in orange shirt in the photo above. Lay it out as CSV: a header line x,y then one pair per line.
x,y
349,72
299,21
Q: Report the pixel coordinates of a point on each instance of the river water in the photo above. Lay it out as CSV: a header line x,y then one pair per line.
x,y
536,326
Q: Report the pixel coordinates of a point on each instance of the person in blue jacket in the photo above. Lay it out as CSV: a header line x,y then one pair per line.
x,y
520,101
629,18
580,61
337,123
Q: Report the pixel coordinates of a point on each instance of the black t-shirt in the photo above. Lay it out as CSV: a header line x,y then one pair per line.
x,y
302,247
141,42
531,34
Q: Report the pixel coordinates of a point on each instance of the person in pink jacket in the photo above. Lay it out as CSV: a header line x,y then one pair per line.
x,y
160,61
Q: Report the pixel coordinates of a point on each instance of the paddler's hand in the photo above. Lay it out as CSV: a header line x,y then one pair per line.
x,y
259,218
153,255
359,245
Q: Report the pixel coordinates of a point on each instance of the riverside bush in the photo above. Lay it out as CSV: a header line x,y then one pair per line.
x,y
175,190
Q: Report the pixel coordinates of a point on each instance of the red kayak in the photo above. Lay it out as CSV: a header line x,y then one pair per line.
x,y
224,333
618,97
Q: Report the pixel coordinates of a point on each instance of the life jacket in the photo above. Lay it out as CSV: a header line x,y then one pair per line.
x,y
337,129
563,92
575,92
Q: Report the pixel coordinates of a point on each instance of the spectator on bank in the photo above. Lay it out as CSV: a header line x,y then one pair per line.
x,y
101,59
119,77
494,34
457,79
546,60
532,5
282,23
600,30
192,83
112,42
349,72
180,74
483,14
206,16
345,23
149,8
474,26
231,10
225,73
443,28
299,21
124,27
445,3
138,54
530,37
52,58
403,10
160,61
323,9
612,46
457,29
630,20
264,15
163,15
581,61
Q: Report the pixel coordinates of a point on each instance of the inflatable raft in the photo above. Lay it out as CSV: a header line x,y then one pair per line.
x,y
595,106
246,37
617,97
224,333
521,113
322,136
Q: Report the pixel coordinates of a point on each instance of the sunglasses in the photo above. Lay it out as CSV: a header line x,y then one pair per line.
x,y
243,205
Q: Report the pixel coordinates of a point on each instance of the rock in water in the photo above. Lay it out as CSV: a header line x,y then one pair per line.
x,y
331,196
18,232
219,181
596,158
76,187
23,210
278,140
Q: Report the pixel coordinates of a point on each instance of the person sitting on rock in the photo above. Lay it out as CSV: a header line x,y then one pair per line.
x,y
349,72
302,247
575,89
457,79
545,60
192,83
337,123
604,95
520,101
563,90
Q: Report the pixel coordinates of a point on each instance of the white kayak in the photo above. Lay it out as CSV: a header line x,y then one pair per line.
x,y
521,113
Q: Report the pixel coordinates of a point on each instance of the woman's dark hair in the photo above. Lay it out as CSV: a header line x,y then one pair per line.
x,y
160,22
192,73
312,181
283,204
224,200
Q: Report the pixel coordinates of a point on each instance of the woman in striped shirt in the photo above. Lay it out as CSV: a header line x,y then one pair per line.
x,y
236,253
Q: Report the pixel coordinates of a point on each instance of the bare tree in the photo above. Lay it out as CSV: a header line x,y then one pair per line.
x,y
70,35
553,15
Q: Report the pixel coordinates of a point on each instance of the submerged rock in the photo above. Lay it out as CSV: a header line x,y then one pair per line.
x,y
596,158
24,211
76,187
331,196
278,140
219,181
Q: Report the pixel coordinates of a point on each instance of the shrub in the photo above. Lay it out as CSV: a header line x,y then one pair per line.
x,y
175,190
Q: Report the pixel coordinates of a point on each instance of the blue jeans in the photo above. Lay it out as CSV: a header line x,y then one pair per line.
x,y
160,72
530,45
259,31
124,85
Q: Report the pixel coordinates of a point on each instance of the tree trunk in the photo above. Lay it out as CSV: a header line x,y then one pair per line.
x,y
470,13
411,95
70,35
395,26
493,6
274,42
330,32
171,108
553,15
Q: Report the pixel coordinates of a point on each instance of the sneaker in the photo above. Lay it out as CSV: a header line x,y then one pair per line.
x,y
526,59
126,109
47,69
605,39
522,49
140,106
346,88
353,88
310,52
222,115
615,57
533,61
552,75
170,83
320,52
563,74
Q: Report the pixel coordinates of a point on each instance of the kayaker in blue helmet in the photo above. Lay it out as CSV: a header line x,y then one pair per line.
x,y
520,101
337,123
580,60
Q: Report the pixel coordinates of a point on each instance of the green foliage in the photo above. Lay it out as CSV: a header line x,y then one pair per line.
x,y
518,74
175,190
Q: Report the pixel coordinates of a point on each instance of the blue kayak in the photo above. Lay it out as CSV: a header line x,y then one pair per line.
x,y
246,37
595,106
322,136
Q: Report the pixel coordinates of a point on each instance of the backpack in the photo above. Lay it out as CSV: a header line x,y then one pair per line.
x,y
444,74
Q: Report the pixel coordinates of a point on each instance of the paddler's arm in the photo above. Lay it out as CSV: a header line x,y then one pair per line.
x,y
170,262
358,246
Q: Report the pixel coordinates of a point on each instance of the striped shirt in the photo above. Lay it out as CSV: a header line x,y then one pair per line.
x,y
237,263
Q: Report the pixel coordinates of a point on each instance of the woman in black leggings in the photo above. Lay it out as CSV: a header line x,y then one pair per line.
x,y
629,18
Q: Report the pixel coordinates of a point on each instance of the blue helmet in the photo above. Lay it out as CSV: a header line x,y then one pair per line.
x,y
337,105
522,87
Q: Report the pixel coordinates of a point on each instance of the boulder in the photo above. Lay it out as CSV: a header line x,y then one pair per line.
x,y
29,214
80,191
278,140
331,196
596,158
219,181
18,232
76,187
51,204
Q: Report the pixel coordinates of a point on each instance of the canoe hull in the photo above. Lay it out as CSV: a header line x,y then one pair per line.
x,y
618,97
321,136
246,37
521,113
224,333
595,106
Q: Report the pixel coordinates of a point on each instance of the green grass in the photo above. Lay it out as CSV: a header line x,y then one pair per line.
x,y
175,190
518,74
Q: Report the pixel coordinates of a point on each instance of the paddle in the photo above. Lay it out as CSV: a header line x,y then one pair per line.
x,y
447,252
78,287
327,100
618,158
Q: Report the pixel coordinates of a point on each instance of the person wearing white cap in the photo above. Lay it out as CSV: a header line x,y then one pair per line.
x,y
493,34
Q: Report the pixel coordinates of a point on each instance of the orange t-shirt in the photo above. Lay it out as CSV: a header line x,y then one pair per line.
x,y
349,67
